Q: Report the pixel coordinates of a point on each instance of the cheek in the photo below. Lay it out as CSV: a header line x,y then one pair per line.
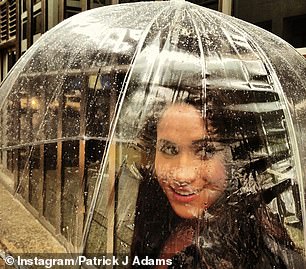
x,y
162,166
160,171
214,172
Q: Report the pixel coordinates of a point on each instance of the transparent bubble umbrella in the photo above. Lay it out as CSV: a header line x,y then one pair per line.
x,y
86,134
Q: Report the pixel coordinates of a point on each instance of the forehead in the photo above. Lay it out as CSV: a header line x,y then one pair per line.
x,y
181,122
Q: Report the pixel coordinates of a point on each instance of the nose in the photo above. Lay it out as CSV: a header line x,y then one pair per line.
x,y
184,175
186,170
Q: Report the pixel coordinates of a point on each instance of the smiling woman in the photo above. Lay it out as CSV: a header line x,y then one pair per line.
x,y
187,164
201,201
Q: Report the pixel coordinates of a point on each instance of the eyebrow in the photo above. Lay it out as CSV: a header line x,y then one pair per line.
x,y
200,142
208,139
165,142
205,142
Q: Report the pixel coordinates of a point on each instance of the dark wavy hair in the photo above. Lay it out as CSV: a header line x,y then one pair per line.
x,y
239,230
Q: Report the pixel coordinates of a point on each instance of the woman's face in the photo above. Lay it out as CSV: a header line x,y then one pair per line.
x,y
188,164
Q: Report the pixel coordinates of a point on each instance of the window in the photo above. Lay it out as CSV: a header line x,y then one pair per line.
x,y
24,28
11,59
212,4
24,5
37,26
73,7
267,25
99,3
3,23
50,184
12,19
295,31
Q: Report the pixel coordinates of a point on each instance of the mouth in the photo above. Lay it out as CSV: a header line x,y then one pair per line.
x,y
184,195
183,192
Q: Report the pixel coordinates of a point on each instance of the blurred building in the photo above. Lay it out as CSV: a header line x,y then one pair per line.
x,y
285,18
23,21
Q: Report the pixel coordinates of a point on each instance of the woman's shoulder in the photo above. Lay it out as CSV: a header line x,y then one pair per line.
x,y
270,256
194,257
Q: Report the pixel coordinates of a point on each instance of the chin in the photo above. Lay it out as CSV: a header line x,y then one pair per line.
x,y
188,212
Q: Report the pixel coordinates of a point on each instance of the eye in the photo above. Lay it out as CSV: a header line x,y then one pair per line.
x,y
205,152
167,148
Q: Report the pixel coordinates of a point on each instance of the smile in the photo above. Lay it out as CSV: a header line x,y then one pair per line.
x,y
183,192
183,195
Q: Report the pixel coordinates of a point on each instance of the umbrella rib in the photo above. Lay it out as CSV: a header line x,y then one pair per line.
x,y
113,124
203,63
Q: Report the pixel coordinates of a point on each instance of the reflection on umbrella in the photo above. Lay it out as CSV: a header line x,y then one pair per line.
x,y
79,110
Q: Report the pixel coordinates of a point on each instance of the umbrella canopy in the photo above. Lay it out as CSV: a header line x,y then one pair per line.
x,y
82,113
